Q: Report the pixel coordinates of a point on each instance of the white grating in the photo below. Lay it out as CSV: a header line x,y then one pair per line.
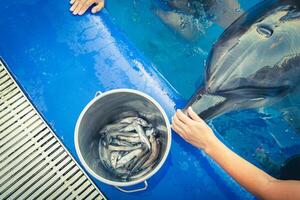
x,y
33,162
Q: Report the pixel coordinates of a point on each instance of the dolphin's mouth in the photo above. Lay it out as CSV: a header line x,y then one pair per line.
x,y
205,104
256,92
208,105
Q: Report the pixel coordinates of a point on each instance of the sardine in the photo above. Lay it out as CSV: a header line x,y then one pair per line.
x,y
114,158
127,120
140,162
149,132
128,147
121,133
129,139
142,122
142,172
128,128
130,120
131,163
123,148
136,161
128,157
104,155
119,142
142,135
112,127
155,144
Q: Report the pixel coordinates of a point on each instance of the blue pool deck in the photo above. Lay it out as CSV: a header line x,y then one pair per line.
x,y
62,60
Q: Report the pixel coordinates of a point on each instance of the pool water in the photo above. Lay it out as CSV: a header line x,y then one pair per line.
x,y
256,136
180,61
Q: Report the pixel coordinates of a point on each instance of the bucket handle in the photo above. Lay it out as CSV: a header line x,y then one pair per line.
x,y
98,93
134,190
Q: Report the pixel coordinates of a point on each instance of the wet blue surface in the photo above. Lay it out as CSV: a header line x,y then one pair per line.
x,y
61,61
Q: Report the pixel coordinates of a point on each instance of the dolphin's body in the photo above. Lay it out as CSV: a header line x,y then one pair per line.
x,y
255,62
190,18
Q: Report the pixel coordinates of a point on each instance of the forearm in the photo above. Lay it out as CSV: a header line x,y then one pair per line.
x,y
249,176
195,131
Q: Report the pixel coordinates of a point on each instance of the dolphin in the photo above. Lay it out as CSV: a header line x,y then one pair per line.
x,y
190,18
254,63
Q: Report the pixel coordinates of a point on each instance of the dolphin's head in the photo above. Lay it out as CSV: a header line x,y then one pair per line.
x,y
253,62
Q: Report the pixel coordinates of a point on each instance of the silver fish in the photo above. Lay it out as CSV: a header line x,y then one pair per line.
x,y
142,122
128,147
121,133
128,128
149,132
129,138
123,148
155,144
131,163
140,162
104,155
112,127
128,157
128,120
113,158
142,172
142,135
119,142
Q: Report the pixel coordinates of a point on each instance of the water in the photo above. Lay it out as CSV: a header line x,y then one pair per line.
x,y
256,136
181,61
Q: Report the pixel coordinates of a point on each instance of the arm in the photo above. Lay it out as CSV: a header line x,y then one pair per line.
x,y
78,7
197,132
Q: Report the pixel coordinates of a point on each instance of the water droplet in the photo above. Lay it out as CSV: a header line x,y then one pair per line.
x,y
237,10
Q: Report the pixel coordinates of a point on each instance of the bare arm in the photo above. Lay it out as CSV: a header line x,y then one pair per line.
x,y
259,183
252,178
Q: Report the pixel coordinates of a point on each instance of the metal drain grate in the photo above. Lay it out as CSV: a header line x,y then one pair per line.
x,y
33,162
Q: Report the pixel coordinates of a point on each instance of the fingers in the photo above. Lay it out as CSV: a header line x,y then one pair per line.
x,y
85,6
182,117
179,123
74,5
193,115
80,6
98,7
178,130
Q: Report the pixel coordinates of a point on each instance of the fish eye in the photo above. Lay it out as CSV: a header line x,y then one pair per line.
x,y
264,30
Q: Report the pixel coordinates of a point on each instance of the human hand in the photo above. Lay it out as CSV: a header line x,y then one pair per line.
x,y
193,129
78,7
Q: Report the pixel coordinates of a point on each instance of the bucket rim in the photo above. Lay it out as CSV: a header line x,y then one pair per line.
x,y
168,145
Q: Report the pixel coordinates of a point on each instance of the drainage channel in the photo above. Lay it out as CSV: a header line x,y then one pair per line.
x,y
34,164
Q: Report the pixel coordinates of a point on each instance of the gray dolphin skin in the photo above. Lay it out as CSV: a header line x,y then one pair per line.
x,y
255,62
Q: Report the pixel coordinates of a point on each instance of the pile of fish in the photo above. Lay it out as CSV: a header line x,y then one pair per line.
x,y
129,147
